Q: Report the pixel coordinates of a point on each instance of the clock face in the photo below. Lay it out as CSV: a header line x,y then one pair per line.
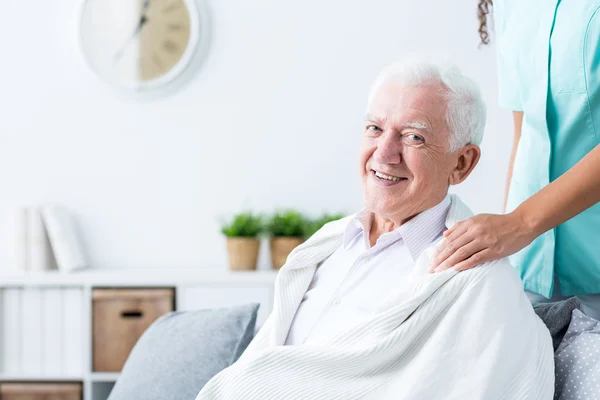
x,y
138,44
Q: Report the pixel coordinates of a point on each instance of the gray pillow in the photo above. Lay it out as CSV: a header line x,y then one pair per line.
x,y
181,351
557,316
577,360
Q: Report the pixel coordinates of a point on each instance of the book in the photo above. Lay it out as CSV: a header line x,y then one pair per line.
x,y
53,325
31,330
73,350
40,256
64,238
21,225
12,332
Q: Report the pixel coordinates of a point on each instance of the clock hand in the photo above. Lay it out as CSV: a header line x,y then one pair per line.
x,y
136,32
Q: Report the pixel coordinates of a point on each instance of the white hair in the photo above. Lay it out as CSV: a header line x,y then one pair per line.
x,y
466,110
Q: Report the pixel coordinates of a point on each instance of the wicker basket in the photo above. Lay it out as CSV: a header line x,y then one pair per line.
x,y
120,317
40,391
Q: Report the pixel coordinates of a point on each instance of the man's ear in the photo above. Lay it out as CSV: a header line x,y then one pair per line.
x,y
468,157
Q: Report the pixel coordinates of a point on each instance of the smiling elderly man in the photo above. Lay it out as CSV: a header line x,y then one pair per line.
x,y
356,313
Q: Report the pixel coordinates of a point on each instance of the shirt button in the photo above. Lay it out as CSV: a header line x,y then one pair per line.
x,y
336,302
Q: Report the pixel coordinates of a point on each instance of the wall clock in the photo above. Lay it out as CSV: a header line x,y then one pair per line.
x,y
144,46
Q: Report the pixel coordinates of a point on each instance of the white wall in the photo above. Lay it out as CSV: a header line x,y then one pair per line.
x,y
272,119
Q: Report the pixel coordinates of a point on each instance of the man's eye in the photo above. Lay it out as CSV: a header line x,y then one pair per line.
x,y
373,128
413,139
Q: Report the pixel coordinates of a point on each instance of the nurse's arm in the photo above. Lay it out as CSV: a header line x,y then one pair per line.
x,y
573,192
517,122
487,237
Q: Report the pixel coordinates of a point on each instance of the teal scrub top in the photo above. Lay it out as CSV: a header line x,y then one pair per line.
x,y
549,68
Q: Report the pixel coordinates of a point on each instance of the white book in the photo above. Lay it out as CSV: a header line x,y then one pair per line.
x,y
11,346
21,225
64,238
73,331
2,331
52,328
31,323
39,248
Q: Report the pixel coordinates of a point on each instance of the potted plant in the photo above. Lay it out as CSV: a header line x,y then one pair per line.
x,y
242,240
287,230
314,225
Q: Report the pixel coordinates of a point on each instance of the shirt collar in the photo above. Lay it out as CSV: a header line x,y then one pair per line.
x,y
360,223
418,233
422,230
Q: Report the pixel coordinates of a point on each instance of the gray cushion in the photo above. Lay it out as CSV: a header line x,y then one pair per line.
x,y
577,360
557,316
181,351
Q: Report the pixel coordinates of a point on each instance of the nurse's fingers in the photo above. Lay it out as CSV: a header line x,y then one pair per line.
x,y
461,254
453,242
449,231
475,260
458,227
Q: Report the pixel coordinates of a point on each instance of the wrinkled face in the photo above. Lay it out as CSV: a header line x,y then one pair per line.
x,y
404,162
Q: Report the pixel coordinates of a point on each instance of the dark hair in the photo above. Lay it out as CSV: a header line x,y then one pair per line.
x,y
483,10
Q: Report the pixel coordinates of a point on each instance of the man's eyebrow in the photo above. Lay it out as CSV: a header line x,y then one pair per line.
x,y
421,125
418,124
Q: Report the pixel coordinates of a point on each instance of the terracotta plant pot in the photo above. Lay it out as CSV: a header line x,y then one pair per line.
x,y
243,253
281,247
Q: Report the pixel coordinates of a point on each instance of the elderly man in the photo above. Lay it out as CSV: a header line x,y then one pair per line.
x,y
356,313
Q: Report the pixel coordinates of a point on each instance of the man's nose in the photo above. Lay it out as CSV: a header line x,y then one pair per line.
x,y
388,151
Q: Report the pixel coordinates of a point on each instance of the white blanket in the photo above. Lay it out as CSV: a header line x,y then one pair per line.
x,y
469,335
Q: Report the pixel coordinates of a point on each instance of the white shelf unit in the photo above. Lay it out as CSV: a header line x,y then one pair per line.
x,y
46,318
42,378
104,376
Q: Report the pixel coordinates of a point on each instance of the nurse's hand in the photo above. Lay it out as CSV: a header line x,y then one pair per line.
x,y
482,238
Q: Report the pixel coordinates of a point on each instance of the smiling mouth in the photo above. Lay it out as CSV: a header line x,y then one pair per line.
x,y
386,177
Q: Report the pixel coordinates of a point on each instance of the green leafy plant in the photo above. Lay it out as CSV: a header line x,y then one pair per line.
x,y
245,224
317,223
288,223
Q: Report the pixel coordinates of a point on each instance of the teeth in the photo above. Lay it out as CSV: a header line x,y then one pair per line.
x,y
388,177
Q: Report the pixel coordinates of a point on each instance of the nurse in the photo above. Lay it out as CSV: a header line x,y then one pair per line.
x,y
549,76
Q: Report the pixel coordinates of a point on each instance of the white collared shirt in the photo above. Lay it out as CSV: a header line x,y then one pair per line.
x,y
357,278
